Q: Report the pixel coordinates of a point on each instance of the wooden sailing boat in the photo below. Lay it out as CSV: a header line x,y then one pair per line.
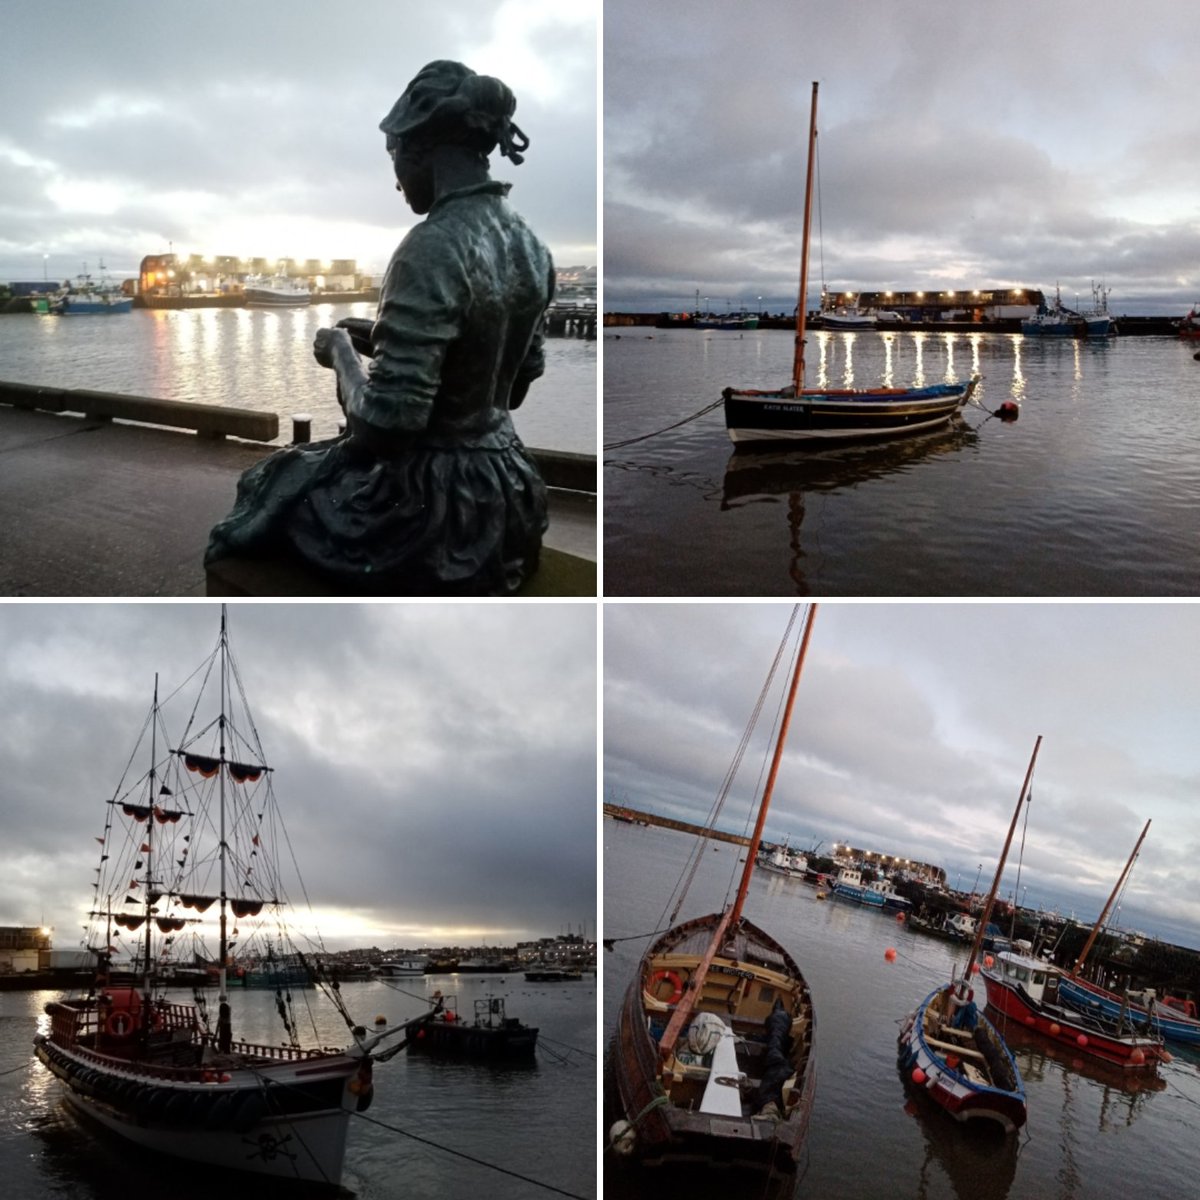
x,y
1037,994
174,1077
822,416
948,1047
712,1056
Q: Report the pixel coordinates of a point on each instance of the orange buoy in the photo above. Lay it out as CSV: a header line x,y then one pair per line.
x,y
1055,1029
988,960
918,1076
1081,1040
890,954
1137,1056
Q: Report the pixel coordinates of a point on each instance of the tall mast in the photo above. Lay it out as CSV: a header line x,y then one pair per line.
x,y
1103,916
683,1011
221,976
802,302
981,929
756,838
151,800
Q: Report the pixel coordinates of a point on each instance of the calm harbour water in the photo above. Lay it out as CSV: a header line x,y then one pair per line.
x,y
1088,1137
1093,491
259,358
538,1121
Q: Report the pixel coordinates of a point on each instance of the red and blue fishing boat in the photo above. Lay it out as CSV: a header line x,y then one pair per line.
x,y
949,1048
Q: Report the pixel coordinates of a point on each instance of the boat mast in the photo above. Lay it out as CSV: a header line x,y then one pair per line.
x,y
802,303
151,800
683,1012
224,1030
756,837
991,900
1103,916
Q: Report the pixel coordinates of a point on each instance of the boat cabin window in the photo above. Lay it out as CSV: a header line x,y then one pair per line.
x,y
1039,977
1021,974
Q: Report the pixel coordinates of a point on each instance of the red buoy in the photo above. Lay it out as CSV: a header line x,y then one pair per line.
x,y
1008,411
890,954
1137,1056
1055,1029
918,1076
1081,1040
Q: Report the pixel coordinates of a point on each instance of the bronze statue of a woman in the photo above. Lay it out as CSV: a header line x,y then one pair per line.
x,y
429,491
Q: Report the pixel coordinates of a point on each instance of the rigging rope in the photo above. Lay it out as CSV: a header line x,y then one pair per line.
x,y
689,873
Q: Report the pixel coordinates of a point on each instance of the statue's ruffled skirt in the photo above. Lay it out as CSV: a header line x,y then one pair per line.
x,y
432,520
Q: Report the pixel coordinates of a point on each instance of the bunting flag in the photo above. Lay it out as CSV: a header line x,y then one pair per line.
x,y
100,840
145,847
254,840
137,866
207,767
165,791
133,883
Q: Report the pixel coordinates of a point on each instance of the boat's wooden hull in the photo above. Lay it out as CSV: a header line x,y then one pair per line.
x,y
1083,1034
825,417
949,1084
662,1119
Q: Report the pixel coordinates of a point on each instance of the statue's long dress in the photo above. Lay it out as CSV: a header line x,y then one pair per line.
x,y
431,491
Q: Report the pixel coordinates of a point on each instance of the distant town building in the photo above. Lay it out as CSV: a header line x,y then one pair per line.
x,y
21,948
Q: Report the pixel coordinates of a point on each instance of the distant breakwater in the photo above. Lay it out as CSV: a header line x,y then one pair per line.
x,y
1126,326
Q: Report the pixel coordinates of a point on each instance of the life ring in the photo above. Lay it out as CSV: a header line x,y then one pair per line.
x,y
670,977
121,1023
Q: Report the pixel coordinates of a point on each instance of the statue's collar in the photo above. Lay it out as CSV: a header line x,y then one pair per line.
x,y
491,187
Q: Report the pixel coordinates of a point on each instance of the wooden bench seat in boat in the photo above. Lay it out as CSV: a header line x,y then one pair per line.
x,y
955,1048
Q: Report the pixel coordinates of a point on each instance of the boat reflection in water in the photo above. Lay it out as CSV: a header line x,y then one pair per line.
x,y
757,476
978,1159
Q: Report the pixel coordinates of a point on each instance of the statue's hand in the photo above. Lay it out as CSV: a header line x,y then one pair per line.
x,y
323,346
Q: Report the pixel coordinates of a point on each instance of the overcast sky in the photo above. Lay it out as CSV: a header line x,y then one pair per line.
x,y
435,764
253,129
961,146
913,730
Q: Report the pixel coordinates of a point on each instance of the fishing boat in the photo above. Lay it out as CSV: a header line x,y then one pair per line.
x,y
781,861
276,291
544,973
892,900
843,316
1028,989
820,416
86,297
948,1047
738,321
414,964
849,886
1144,1008
711,1062
1189,324
175,1077
491,1035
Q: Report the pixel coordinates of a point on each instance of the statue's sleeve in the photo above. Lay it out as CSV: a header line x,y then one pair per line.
x,y
422,305
534,364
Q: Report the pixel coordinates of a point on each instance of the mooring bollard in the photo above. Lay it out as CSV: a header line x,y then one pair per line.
x,y
301,429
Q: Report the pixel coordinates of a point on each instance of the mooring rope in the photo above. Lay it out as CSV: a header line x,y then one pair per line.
x,y
470,1157
646,436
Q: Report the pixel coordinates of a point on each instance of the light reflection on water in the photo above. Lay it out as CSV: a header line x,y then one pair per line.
x,y
259,358
1091,492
